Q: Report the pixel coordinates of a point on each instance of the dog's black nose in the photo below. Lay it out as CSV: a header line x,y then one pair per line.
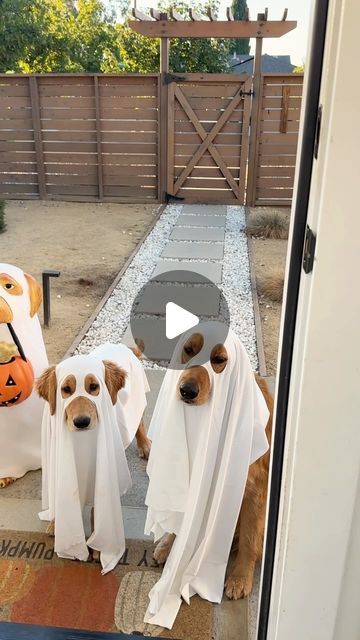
x,y
81,422
189,390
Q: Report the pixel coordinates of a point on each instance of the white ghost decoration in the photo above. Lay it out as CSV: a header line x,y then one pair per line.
x,y
20,424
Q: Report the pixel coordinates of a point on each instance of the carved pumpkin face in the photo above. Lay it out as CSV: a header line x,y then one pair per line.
x,y
16,381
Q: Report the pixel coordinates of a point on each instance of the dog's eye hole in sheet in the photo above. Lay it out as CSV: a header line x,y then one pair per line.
x,y
192,347
92,385
68,386
219,358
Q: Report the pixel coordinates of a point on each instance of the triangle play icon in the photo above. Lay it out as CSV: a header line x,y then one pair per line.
x,y
178,320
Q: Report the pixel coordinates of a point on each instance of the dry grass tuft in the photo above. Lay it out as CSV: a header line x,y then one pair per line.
x,y
273,225
271,286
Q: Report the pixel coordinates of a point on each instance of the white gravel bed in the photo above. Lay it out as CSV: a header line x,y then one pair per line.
x,y
114,317
236,284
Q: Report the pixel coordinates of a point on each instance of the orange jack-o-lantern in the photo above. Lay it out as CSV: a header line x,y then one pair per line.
x,y
16,377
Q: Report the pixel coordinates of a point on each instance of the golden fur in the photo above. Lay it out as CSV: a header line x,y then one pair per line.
x,y
35,294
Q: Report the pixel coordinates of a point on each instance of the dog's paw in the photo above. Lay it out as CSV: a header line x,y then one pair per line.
x,y
144,449
4,482
163,549
237,587
50,529
95,555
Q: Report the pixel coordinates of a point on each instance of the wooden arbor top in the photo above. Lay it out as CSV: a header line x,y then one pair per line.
x,y
158,25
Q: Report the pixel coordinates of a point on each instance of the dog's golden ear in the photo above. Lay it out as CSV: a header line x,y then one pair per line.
x,y
115,378
35,294
46,387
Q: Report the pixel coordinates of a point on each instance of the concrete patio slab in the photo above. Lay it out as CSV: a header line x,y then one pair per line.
x,y
186,220
197,299
198,233
210,270
202,250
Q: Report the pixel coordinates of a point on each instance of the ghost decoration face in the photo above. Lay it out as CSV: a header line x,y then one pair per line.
x,y
16,377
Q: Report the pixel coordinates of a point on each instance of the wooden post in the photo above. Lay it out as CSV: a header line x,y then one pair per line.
x,y
284,109
35,110
98,139
163,156
255,125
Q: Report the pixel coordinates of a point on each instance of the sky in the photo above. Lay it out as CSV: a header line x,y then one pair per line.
x,y
293,43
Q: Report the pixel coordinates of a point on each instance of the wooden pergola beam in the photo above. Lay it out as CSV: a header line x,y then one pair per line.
x,y
139,15
213,28
196,16
175,15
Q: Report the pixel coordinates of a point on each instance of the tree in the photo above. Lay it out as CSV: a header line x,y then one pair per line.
x,y
141,54
57,35
239,45
83,35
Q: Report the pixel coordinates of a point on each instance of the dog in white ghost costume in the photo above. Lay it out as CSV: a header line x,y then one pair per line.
x,y
20,420
85,465
198,468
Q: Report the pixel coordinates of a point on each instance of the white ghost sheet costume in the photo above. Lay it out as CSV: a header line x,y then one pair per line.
x,y
198,468
20,425
132,397
84,467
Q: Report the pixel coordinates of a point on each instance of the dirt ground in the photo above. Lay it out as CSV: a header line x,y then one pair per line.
x,y
83,241
267,255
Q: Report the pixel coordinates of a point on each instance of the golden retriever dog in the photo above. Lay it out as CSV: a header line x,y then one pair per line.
x,y
81,412
194,389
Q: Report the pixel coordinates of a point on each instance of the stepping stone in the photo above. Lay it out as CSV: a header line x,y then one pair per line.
x,y
198,233
204,209
199,300
201,221
154,329
194,250
210,270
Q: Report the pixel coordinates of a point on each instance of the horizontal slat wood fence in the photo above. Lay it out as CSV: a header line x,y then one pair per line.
x,y
277,137
92,137
79,137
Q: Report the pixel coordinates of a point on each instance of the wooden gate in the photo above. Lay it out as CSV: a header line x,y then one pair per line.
x,y
208,137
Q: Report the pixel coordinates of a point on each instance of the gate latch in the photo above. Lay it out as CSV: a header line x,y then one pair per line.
x,y
172,77
246,93
309,250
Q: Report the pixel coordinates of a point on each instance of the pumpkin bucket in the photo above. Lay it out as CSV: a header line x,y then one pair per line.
x,y
16,376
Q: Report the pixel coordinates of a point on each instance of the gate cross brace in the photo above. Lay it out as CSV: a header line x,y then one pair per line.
x,y
207,138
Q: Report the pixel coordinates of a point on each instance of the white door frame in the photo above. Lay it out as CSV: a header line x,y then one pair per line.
x,y
314,594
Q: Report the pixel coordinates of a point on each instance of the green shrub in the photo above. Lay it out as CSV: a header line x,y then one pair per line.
x,y
2,216
269,225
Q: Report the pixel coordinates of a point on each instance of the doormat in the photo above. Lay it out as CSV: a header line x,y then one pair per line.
x,y
38,588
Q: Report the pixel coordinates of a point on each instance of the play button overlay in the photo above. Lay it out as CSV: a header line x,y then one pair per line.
x,y
178,320
170,304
